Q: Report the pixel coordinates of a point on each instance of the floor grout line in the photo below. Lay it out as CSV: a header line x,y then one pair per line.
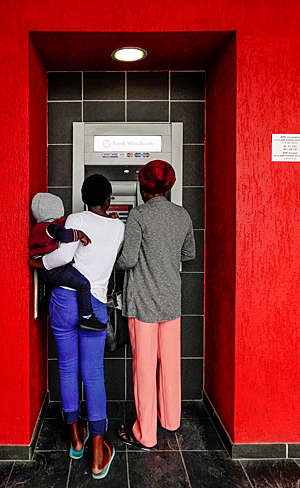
x,y
38,436
127,468
297,461
246,474
183,462
69,472
9,476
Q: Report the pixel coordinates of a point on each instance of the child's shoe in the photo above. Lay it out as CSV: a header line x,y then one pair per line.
x,y
92,323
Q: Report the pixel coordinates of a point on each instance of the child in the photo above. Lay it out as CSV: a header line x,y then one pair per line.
x,y
48,210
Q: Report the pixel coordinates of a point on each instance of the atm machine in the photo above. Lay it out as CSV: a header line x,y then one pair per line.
x,y
117,151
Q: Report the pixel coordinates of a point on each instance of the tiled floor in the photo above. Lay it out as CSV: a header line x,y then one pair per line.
x,y
192,457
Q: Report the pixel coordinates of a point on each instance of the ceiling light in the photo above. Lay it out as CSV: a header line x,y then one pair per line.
x,y
129,54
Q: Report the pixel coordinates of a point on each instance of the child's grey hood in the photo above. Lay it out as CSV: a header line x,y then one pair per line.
x,y
47,207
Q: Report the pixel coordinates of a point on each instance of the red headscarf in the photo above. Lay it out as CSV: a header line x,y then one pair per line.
x,y
157,177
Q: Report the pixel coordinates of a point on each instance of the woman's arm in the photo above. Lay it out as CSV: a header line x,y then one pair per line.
x,y
65,252
132,243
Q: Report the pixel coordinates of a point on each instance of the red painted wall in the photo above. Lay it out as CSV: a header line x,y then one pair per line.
x,y
266,387
37,182
220,233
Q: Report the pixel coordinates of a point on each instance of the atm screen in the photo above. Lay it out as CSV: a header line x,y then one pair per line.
x,y
122,211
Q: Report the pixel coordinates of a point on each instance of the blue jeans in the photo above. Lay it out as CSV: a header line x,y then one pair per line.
x,y
69,276
79,350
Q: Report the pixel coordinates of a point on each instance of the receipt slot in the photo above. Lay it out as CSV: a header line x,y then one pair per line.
x,y
118,150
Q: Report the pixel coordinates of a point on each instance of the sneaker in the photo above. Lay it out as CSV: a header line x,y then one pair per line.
x,y
92,323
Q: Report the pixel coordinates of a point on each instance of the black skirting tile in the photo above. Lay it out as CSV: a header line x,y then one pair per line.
x,y
81,477
48,469
294,451
148,111
115,410
130,412
15,452
64,86
104,111
187,85
214,469
114,372
5,469
192,336
245,451
54,410
104,86
60,121
198,435
148,85
283,473
156,470
60,165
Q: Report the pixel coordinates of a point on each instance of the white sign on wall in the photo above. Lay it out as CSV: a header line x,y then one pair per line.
x,y
127,143
286,147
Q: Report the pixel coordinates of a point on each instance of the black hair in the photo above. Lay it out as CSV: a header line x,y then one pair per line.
x,y
95,190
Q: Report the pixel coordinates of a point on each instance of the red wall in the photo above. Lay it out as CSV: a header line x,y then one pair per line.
x,y
220,233
266,350
37,182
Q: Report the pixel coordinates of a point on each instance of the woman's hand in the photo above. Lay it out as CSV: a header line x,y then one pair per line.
x,y
114,215
85,240
36,263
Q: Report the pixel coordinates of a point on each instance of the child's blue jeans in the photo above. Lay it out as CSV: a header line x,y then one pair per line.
x,y
79,351
69,276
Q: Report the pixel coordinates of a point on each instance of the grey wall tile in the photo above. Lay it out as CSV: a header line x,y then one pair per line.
x,y
104,86
147,111
114,372
64,86
193,165
104,111
187,86
192,293
193,201
191,336
60,165
198,263
60,119
191,378
148,85
66,195
192,116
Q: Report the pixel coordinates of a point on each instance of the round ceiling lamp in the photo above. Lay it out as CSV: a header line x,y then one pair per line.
x,y
129,54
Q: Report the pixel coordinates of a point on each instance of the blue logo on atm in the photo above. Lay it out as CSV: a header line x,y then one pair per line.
x,y
141,155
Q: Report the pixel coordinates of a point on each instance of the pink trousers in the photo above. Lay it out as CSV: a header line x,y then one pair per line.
x,y
156,393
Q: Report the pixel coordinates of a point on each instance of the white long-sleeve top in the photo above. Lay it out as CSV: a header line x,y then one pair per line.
x,y
96,260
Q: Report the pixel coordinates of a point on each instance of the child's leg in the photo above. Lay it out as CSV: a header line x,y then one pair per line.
x,y
71,277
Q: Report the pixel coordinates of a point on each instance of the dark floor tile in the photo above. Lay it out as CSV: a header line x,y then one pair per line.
x,y
64,86
156,470
104,86
166,440
60,121
47,470
148,85
187,85
214,470
283,473
114,372
193,410
104,111
198,434
5,469
191,336
193,201
60,165
193,165
192,291
81,477
198,263
66,195
192,115
53,436
148,111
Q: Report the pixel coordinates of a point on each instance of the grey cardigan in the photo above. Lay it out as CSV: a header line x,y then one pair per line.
x,y
158,236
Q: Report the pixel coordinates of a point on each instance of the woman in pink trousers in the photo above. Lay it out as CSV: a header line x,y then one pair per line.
x,y
158,237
